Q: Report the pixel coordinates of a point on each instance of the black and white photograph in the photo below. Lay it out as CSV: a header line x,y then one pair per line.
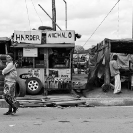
x,y
66,66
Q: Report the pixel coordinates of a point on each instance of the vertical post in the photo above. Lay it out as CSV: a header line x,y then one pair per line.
x,y
65,13
53,15
70,63
6,51
78,62
107,60
33,62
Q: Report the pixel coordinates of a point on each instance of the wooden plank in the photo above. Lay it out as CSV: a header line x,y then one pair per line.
x,y
28,100
69,103
62,100
31,105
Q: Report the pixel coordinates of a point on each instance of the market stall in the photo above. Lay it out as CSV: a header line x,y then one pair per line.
x,y
44,65
100,56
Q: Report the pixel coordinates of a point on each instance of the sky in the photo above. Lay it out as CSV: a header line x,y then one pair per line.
x,y
83,16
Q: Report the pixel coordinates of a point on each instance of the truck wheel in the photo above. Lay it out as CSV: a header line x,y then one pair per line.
x,y
33,85
20,92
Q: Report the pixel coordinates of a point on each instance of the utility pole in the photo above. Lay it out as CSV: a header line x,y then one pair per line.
x,y
53,15
65,13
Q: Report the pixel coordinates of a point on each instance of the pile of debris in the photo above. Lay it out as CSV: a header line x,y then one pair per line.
x,y
51,102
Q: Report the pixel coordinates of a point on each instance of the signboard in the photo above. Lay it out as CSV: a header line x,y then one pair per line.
x,y
30,73
30,52
28,36
61,73
60,37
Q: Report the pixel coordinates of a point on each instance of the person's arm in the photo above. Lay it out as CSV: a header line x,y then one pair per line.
x,y
7,69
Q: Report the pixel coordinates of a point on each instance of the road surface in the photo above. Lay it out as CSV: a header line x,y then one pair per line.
x,y
68,120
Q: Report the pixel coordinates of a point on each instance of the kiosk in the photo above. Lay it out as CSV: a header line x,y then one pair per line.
x,y
44,59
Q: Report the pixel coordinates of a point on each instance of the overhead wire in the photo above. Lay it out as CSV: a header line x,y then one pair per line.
x,y
28,15
36,12
101,22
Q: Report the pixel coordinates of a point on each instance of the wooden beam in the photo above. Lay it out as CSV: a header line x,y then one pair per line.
x,y
106,85
107,60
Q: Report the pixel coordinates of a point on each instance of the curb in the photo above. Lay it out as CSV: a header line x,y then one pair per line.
x,y
109,101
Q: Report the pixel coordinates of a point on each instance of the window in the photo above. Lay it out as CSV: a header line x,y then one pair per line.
x,y
23,62
59,58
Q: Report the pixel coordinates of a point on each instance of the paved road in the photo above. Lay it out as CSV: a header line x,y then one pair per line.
x,y
68,120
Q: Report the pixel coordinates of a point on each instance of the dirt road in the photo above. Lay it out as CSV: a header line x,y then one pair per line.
x,y
68,120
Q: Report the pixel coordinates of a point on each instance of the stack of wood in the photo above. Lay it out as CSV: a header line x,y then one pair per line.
x,y
50,101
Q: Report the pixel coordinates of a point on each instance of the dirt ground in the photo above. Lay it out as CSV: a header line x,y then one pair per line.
x,y
72,120
98,93
80,77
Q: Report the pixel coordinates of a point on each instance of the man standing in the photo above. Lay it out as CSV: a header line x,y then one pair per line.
x,y
114,69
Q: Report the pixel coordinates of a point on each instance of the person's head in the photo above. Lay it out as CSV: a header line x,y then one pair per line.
x,y
9,57
114,57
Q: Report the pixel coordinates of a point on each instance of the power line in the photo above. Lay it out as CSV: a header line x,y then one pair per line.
x,y
101,23
36,12
28,14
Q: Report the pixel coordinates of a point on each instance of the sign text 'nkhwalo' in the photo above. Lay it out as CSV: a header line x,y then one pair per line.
x,y
60,37
28,37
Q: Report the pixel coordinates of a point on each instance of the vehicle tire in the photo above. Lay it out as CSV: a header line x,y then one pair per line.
x,y
33,85
19,91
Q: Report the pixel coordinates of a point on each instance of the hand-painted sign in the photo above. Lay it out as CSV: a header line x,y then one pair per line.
x,y
61,73
28,36
25,76
30,73
60,37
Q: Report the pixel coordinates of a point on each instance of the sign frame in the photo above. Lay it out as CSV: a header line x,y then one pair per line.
x,y
30,52
60,36
33,37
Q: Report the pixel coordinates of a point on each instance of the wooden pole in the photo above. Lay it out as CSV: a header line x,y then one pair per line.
x,y
106,86
53,15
